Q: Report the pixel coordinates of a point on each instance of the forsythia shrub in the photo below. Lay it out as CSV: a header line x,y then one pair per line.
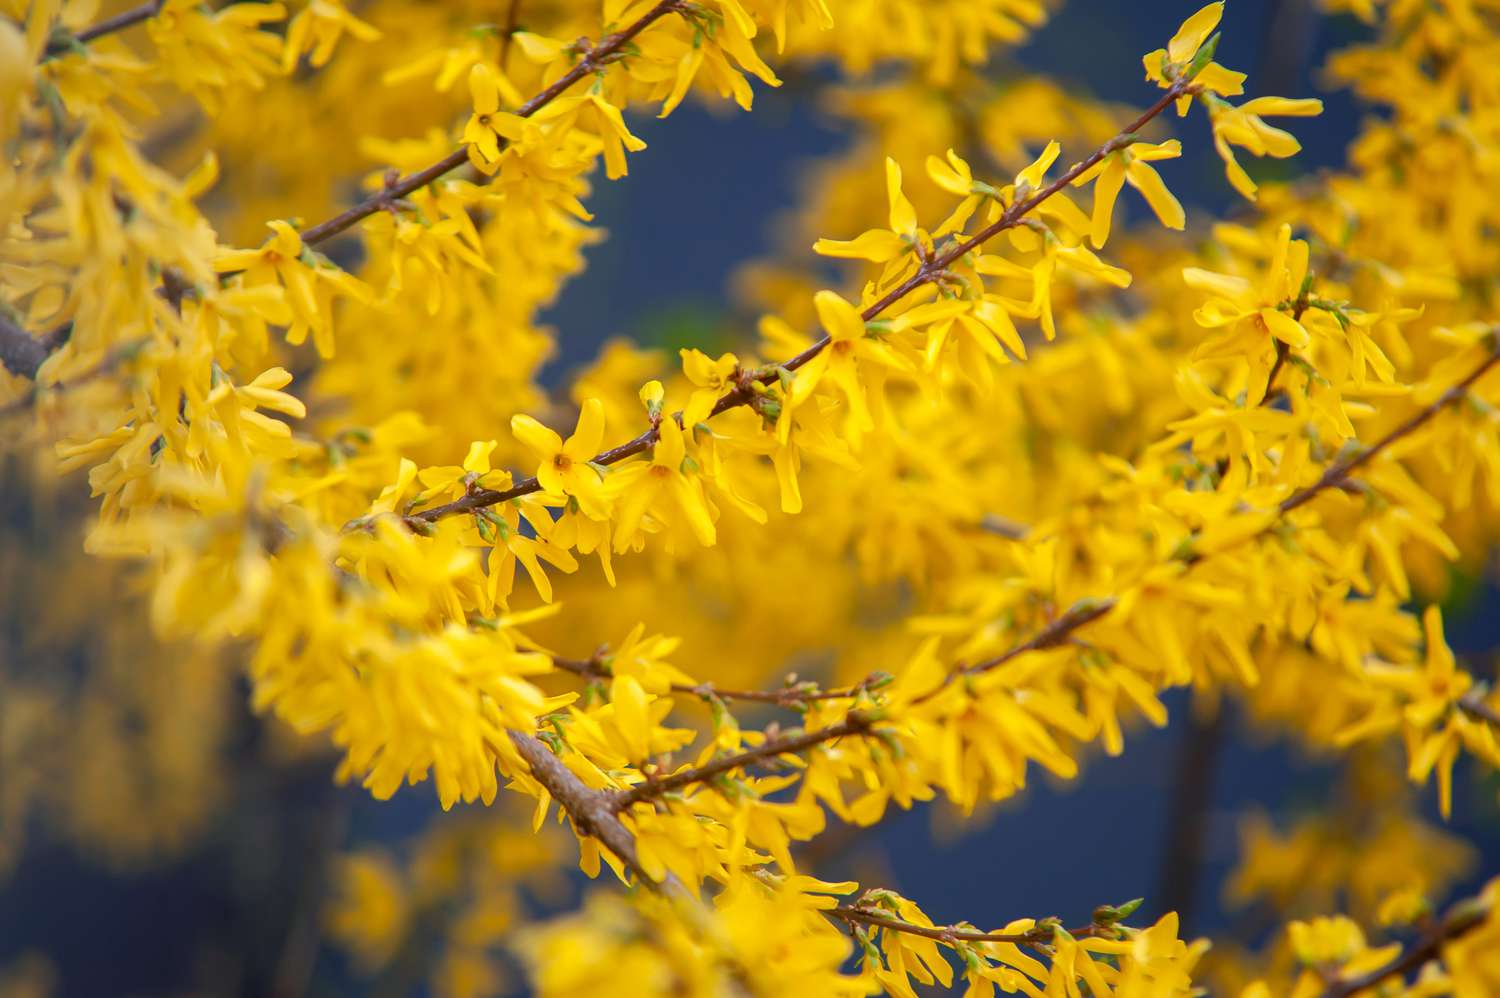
x,y
1096,465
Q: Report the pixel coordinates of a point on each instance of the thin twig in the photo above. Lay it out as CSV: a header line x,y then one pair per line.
x,y
1000,526
120,353
1461,920
855,724
929,272
397,189
512,19
1475,706
1338,473
121,21
1043,933
591,61
1054,634
21,353
1083,612
787,696
1282,349
590,810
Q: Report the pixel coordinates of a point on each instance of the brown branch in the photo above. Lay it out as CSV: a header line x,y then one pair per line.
x,y
1336,474
1043,933
1463,919
592,60
1085,611
512,20
1476,707
931,270
121,21
21,353
1054,634
1282,349
787,696
591,810
1000,526
855,724
120,353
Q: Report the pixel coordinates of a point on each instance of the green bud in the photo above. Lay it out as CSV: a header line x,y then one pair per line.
x,y
1203,56
1107,914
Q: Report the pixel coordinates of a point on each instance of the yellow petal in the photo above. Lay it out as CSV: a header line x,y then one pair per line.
x,y
484,89
839,318
903,215
1194,32
589,434
539,439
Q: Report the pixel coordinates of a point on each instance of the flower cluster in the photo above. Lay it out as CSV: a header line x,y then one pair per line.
x,y
1236,477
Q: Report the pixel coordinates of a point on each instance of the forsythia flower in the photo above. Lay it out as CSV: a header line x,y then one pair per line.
x,y
1021,507
1181,57
849,345
1131,165
882,245
566,466
668,482
205,53
309,280
710,378
1242,126
488,126
317,30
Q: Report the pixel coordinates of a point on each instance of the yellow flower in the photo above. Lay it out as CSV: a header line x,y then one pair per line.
x,y
1193,32
1130,165
662,488
452,481
1242,126
237,405
601,117
1166,66
1030,179
565,467
502,524
954,175
1326,941
1254,316
882,245
309,279
713,378
371,907
488,126
204,53
575,531
317,30
849,344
